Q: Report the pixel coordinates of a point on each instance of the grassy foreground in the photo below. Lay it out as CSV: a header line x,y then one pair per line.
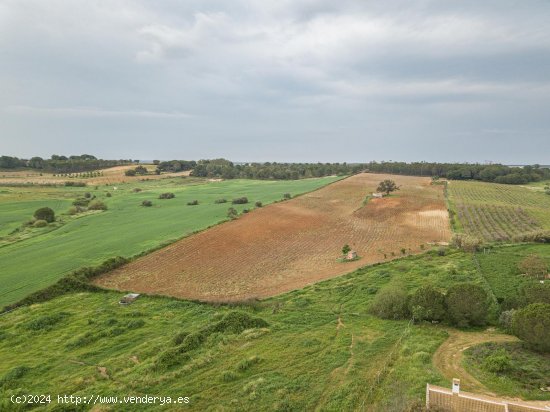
x,y
313,348
125,229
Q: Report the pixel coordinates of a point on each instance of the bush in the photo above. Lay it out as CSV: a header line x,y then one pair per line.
x,y
232,213
390,303
193,203
40,223
505,320
73,210
258,204
147,203
240,201
97,205
130,172
81,201
427,303
87,195
168,195
75,184
532,325
497,362
534,266
287,196
466,242
220,201
535,293
45,213
108,194
136,190
467,305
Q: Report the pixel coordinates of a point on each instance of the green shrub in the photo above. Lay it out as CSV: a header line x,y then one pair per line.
x,y
73,210
287,196
232,213
240,201
75,184
220,201
40,223
498,361
467,305
466,242
108,194
97,205
45,213
390,303
193,203
168,195
532,325
427,303
245,364
81,201
505,319
258,204
147,203
535,293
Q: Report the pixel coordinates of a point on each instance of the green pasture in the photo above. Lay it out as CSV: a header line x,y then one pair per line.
x,y
125,229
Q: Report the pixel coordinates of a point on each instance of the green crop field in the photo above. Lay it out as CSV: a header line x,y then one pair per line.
x,y
35,258
494,212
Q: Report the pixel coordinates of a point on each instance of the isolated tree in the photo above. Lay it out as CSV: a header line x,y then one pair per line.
x,y
532,325
232,213
467,305
141,170
345,249
390,303
387,186
427,303
534,266
45,213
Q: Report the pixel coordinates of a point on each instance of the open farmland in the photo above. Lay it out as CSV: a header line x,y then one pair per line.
x,y
294,243
494,212
111,175
33,258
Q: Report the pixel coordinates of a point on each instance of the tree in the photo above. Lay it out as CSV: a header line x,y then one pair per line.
x,y
141,170
390,303
387,186
467,305
45,213
532,325
345,249
534,266
232,213
97,205
156,162
427,303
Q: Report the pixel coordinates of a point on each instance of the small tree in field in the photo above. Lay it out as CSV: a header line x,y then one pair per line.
x,y
534,266
427,303
467,305
345,249
387,186
532,325
390,303
232,213
45,213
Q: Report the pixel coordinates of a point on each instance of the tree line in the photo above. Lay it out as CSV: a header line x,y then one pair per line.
x,y
495,173
60,164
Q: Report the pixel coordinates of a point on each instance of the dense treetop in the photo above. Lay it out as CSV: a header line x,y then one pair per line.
x,y
60,164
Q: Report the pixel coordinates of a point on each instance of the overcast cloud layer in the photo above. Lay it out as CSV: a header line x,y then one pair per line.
x,y
277,80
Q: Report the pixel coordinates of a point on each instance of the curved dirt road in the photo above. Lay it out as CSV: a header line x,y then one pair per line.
x,y
448,360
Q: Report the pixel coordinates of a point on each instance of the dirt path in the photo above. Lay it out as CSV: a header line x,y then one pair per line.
x,y
448,359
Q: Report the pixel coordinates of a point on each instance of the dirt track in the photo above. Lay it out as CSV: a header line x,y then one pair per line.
x,y
448,359
291,244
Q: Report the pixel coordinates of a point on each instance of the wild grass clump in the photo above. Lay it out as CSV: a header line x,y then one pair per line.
x,y
247,363
46,322
10,379
228,376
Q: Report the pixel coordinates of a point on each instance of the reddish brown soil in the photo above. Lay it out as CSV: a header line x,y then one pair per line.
x,y
291,244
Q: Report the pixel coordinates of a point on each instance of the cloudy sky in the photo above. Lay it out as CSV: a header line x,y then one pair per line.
x,y
284,80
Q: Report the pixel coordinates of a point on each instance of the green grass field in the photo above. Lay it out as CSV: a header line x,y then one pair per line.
x,y
125,229
320,348
494,212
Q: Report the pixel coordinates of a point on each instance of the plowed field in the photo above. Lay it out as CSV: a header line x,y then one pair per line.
x,y
291,244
